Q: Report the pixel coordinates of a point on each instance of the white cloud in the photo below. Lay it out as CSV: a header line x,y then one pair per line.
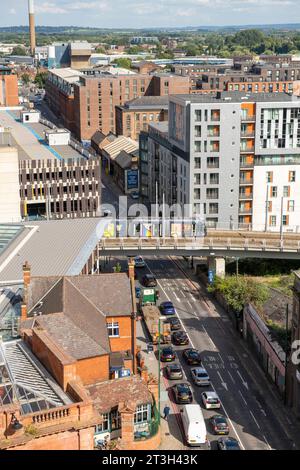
x,y
51,8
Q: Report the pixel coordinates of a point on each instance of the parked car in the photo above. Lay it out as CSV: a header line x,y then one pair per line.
x,y
174,372
192,357
139,262
210,400
138,292
180,338
182,393
174,323
149,280
219,424
200,376
167,354
228,443
167,308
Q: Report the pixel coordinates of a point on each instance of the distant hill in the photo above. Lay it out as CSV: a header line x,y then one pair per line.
x,y
87,30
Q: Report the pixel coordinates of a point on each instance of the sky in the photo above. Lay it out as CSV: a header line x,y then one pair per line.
x,y
151,13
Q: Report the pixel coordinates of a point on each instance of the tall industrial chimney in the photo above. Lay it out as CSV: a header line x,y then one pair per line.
x,y
31,26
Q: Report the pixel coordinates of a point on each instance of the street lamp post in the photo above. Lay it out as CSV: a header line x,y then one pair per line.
x,y
159,356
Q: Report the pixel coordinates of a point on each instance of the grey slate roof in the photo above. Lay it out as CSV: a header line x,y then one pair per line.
x,y
239,97
145,102
54,248
72,339
123,159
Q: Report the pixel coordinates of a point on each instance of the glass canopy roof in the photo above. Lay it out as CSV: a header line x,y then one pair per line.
x,y
7,234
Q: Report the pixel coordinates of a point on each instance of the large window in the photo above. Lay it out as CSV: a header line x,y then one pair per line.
x,y
113,329
105,424
142,414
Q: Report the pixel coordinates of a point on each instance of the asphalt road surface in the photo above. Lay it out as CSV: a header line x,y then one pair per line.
x,y
256,418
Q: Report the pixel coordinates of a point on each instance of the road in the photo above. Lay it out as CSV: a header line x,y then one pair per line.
x,y
256,417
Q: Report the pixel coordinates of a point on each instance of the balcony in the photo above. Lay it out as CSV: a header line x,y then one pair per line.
x,y
244,164
245,197
245,211
246,181
248,118
248,134
248,149
212,165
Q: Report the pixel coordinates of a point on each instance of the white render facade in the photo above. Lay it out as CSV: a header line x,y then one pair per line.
x,y
234,157
10,202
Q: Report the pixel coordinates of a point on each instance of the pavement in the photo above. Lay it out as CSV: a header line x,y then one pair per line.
x,y
171,432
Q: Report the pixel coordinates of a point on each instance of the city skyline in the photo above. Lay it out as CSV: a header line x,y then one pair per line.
x,y
139,14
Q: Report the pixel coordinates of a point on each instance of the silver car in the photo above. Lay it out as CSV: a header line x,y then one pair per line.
x,y
200,376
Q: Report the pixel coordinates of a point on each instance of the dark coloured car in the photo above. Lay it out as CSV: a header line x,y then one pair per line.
x,y
219,424
137,292
167,354
149,280
174,372
174,323
182,393
180,338
167,308
228,443
192,357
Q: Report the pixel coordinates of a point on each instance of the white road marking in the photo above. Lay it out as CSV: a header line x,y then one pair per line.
x,y
254,419
227,415
231,377
243,398
243,381
211,341
224,384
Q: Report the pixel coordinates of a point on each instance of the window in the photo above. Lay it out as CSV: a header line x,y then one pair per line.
x,y
115,419
198,114
270,206
292,176
291,206
197,146
272,221
113,329
286,191
212,193
274,191
142,414
105,425
197,131
214,178
285,220
197,177
269,176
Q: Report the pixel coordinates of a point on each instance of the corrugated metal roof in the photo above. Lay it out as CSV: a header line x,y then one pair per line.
x,y
121,143
52,248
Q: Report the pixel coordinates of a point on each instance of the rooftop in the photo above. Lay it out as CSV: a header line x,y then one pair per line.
x,y
24,380
238,97
127,390
29,139
148,102
120,143
53,248
67,74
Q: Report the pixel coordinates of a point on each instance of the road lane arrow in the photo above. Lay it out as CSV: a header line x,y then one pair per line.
x,y
224,384
243,381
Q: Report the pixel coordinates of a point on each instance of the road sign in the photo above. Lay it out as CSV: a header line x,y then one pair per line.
x,y
211,276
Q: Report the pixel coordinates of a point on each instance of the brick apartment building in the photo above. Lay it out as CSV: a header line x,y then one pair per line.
x,y
135,115
269,74
9,95
69,381
95,96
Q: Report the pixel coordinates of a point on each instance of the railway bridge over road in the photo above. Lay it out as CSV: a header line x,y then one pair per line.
x,y
216,246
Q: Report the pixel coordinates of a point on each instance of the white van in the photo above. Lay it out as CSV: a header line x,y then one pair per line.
x,y
194,426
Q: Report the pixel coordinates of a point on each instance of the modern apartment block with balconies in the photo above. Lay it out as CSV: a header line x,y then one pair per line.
x,y
240,154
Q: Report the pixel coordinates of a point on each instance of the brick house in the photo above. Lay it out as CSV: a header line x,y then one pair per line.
x,y
71,379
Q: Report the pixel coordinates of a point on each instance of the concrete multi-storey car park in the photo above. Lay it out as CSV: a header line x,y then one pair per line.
x,y
233,156
53,182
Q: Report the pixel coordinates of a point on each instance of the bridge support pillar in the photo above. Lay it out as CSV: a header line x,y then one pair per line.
x,y
216,266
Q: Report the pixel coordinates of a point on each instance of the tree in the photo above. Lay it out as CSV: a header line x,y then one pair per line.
x,y
25,78
18,50
123,62
117,268
240,291
40,79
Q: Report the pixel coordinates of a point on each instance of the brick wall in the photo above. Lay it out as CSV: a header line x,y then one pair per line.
x,y
123,342
9,83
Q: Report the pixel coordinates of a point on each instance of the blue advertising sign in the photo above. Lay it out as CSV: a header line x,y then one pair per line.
x,y
132,179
